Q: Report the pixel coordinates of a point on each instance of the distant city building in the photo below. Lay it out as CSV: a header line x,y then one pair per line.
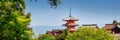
x,y
114,27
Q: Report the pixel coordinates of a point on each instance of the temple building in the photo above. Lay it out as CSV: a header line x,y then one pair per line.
x,y
70,25
114,27
90,25
55,32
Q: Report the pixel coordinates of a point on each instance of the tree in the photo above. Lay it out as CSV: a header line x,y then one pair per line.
x,y
13,21
88,33
46,37
63,35
115,22
53,3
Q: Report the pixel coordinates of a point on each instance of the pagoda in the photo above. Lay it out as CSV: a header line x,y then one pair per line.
x,y
70,22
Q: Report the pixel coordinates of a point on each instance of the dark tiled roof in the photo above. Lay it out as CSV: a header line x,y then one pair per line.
x,y
89,25
55,30
58,30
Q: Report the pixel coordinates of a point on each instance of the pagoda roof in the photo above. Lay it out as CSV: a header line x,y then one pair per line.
x,y
70,25
70,18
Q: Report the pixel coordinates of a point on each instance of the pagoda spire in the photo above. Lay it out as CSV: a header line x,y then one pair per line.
x,y
70,13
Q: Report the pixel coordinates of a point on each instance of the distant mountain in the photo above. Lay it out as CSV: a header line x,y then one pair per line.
x,y
42,29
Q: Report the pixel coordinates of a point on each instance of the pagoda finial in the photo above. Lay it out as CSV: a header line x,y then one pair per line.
x,y
70,13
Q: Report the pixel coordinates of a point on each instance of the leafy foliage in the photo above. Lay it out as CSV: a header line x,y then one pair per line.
x,y
88,33
46,37
13,21
83,33
54,3
63,35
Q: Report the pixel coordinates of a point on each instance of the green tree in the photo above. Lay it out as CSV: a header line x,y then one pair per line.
x,y
46,37
88,33
52,3
63,35
13,21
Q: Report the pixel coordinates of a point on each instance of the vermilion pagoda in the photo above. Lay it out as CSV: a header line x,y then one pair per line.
x,y
70,22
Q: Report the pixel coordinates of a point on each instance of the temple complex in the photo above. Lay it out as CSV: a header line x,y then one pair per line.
x,y
70,25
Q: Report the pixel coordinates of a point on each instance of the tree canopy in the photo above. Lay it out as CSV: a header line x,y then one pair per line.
x,y
54,3
88,33
13,21
46,37
83,33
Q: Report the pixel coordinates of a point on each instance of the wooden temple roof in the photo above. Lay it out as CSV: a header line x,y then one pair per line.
x,y
90,25
111,26
55,30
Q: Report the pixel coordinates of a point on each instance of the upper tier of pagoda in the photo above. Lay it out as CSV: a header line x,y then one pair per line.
x,y
70,17
70,21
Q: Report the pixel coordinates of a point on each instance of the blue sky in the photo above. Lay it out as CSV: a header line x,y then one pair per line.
x,y
87,11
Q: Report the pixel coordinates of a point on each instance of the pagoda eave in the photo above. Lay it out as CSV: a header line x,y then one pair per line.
x,y
70,25
70,19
